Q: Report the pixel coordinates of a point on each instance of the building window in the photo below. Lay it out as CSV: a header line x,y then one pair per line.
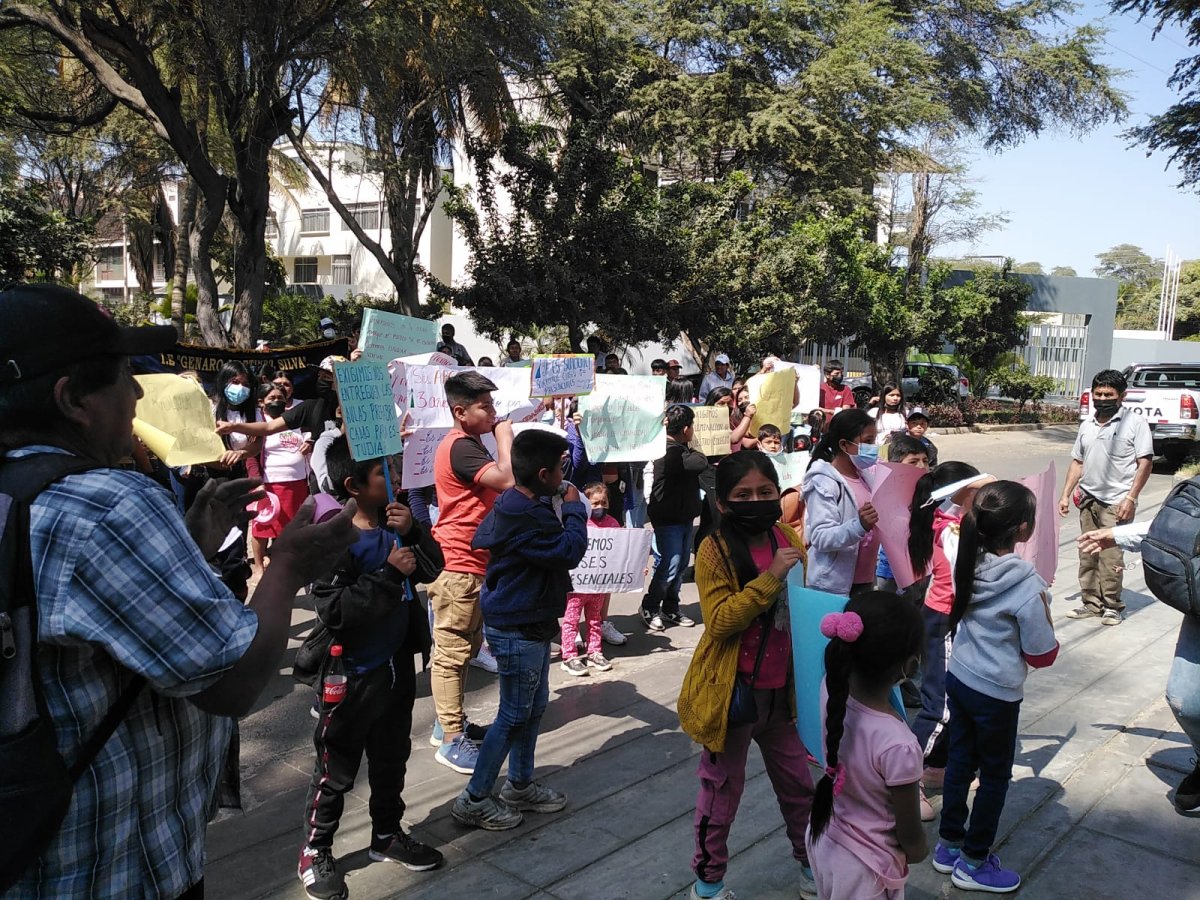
x,y
272,231
160,263
110,264
304,270
365,214
113,293
314,221
341,270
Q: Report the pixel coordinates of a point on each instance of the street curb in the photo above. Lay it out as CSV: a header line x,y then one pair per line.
x,y
988,429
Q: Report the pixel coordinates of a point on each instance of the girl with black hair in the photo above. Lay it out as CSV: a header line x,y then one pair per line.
x,y
710,515
890,415
866,824
937,509
741,572
1001,619
839,523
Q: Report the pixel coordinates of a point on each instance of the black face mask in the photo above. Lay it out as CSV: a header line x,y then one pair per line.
x,y
1106,409
754,516
325,389
836,382
275,410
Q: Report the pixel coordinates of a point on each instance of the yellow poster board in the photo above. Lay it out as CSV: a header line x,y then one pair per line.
x,y
711,430
174,419
772,393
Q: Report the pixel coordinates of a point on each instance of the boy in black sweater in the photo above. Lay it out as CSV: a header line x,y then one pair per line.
x,y
674,505
534,546
369,604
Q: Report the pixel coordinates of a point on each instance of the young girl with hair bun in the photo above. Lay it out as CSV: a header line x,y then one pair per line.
x,y
865,828
1002,628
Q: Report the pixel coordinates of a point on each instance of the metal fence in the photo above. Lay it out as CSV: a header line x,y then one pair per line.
x,y
814,354
1058,351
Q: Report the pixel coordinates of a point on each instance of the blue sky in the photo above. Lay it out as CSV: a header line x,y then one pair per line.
x,y
1068,199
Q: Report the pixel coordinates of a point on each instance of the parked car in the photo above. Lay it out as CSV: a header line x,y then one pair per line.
x,y
922,382
1168,396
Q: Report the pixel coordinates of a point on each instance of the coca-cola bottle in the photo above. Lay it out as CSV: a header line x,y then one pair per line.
x,y
333,688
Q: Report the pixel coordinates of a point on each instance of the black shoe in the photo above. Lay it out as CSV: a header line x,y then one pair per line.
x,y
476,732
1187,795
319,874
402,848
653,621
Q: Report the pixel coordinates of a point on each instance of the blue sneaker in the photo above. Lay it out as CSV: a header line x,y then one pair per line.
x,y
438,736
461,754
944,858
806,884
989,876
475,732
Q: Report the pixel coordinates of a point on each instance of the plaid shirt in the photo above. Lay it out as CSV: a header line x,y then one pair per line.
x,y
122,587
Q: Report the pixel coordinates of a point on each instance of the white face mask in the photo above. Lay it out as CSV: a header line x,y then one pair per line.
x,y
329,333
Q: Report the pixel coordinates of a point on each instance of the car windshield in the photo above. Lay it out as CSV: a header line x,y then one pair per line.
x,y
1180,377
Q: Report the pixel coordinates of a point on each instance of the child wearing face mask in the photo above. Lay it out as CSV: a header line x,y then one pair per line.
x,y
284,472
741,572
839,520
592,606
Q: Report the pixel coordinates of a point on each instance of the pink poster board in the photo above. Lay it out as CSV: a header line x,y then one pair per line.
x,y
1042,548
894,486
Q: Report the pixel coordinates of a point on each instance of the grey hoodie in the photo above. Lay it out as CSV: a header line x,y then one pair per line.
x,y
1005,619
832,529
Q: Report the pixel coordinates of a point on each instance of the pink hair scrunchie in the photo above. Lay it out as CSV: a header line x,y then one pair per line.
x,y
845,625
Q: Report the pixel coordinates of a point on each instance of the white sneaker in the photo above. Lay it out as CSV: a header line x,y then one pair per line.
x,y
611,635
484,660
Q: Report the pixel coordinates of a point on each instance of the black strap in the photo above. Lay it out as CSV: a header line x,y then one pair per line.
x,y
23,479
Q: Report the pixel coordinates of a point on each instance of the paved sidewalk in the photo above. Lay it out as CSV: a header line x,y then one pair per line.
x,y
1088,816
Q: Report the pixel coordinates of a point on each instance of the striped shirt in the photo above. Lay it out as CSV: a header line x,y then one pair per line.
x,y
122,587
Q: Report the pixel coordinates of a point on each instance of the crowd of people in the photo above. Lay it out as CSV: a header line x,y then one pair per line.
x,y
180,629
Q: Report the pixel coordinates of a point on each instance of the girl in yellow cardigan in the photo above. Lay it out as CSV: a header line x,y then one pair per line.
x,y
741,572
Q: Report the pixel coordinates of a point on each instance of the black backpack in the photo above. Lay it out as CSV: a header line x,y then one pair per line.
x,y
1171,550
35,783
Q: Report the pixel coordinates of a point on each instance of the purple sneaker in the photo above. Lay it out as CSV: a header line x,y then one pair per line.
x,y
989,877
944,858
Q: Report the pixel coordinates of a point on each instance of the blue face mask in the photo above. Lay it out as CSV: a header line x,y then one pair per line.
x,y
867,456
237,394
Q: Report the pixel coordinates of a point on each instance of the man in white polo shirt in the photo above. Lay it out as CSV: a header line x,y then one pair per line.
x,y
1110,464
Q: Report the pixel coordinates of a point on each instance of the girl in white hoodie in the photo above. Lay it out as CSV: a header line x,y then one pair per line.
x,y
1001,625
839,520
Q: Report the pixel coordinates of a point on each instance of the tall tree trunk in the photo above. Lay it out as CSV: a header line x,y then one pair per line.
x,y
141,252
209,210
183,255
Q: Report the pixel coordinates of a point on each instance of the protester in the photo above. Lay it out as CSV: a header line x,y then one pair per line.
x,y
839,518
284,467
485,362
680,390
674,505
1002,628
593,607
658,367
834,395
311,417
1183,684
512,354
451,347
866,825
364,607
720,377
1110,463
612,365
674,369
918,424
741,573
111,608
938,503
283,381
532,549
770,440
890,414
468,481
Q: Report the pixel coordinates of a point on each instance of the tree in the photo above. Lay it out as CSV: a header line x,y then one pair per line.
x,y
1064,272
1129,265
1029,268
990,318
1022,385
38,243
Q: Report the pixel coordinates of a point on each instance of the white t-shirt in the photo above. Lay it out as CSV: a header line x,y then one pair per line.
x,y
886,423
236,441
282,459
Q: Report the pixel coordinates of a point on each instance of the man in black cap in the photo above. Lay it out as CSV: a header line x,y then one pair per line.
x,y
127,610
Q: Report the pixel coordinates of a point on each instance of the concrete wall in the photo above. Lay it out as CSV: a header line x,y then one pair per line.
x,y
1126,351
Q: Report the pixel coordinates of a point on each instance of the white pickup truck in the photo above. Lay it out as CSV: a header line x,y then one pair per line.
x,y
1168,395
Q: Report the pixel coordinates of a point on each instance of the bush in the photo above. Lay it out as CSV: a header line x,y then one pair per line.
x,y
1022,385
998,412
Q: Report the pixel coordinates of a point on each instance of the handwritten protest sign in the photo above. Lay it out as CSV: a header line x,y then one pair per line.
x,y
386,336
365,391
772,393
420,448
806,608
563,375
623,419
791,468
174,419
711,430
891,496
1042,548
426,400
615,561
398,370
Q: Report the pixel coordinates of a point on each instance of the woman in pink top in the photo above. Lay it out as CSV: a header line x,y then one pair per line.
x,y
865,828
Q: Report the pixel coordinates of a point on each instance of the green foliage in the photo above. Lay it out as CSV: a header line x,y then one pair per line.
x,y
1128,264
1064,272
1029,268
990,318
1023,386
38,243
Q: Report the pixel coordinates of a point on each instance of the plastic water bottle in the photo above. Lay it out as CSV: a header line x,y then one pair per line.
x,y
333,688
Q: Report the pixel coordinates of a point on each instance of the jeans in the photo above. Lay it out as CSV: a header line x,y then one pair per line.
x,y
635,502
1183,685
524,670
983,739
675,547
930,725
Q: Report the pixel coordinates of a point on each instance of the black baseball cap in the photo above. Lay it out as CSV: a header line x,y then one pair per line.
x,y
44,327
